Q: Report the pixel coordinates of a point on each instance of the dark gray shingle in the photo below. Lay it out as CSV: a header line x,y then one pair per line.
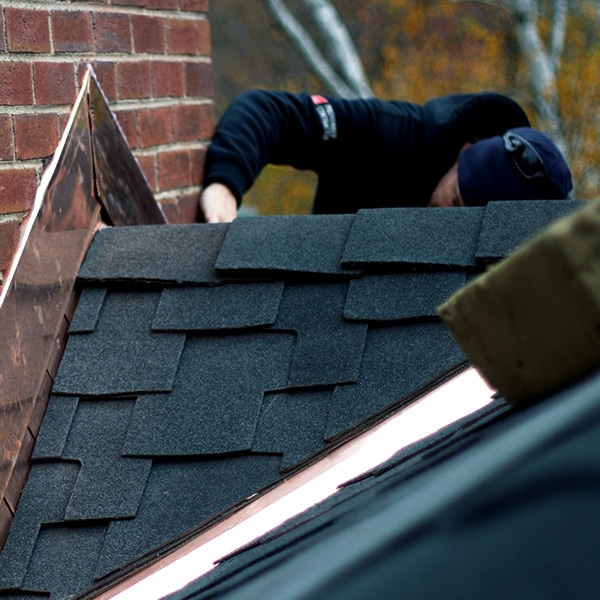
x,y
230,306
88,310
507,225
64,560
288,245
53,433
329,350
397,296
293,424
44,500
409,236
177,253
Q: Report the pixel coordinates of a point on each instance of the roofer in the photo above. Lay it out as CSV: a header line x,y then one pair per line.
x,y
456,150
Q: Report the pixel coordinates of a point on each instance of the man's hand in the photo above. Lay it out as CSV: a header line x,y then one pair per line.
x,y
218,204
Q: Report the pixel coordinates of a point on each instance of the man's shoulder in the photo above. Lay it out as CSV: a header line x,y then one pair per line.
x,y
473,116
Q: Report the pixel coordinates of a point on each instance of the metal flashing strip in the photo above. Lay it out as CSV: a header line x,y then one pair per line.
x,y
37,290
93,178
121,185
454,399
459,478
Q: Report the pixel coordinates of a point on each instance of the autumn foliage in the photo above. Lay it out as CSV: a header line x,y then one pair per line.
x,y
415,50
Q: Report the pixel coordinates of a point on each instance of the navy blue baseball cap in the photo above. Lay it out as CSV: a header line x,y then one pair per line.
x,y
522,164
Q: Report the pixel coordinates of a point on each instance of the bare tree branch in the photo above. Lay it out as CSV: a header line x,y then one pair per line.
x,y
542,64
559,32
308,49
340,45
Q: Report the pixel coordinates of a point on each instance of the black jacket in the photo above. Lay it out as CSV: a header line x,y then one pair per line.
x,y
367,153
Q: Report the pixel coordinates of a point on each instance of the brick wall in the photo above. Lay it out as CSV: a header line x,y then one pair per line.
x,y
152,59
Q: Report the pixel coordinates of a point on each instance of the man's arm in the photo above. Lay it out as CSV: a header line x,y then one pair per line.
x,y
298,130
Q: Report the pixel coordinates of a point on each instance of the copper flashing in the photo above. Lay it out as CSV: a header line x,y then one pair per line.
x,y
37,297
121,185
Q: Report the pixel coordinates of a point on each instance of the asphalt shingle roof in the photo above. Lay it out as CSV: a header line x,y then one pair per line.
x,y
205,361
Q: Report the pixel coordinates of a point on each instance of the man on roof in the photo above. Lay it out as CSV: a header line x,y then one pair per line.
x,y
456,150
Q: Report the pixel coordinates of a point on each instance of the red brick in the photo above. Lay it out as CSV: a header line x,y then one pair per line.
x,y
134,80
188,208
128,123
148,34
193,122
17,83
162,4
182,36
62,124
204,45
27,30
113,32
9,236
106,76
54,83
197,159
174,170
194,5
36,136
181,209
148,167
155,127
72,31
199,80
168,79
7,149
17,190
208,120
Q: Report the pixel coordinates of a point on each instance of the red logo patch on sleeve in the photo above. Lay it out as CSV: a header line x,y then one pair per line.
x,y
317,99
326,116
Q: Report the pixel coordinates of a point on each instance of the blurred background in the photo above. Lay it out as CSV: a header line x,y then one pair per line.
x,y
542,53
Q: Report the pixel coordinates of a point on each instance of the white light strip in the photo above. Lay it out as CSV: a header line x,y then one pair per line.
x,y
459,397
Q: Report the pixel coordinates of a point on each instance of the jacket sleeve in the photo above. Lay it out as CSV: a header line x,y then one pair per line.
x,y
303,131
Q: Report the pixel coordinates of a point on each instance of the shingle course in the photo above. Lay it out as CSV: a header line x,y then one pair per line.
x,y
166,253
229,306
507,225
289,245
398,296
414,236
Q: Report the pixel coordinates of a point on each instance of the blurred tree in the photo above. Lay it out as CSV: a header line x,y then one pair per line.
x,y
541,52
343,57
